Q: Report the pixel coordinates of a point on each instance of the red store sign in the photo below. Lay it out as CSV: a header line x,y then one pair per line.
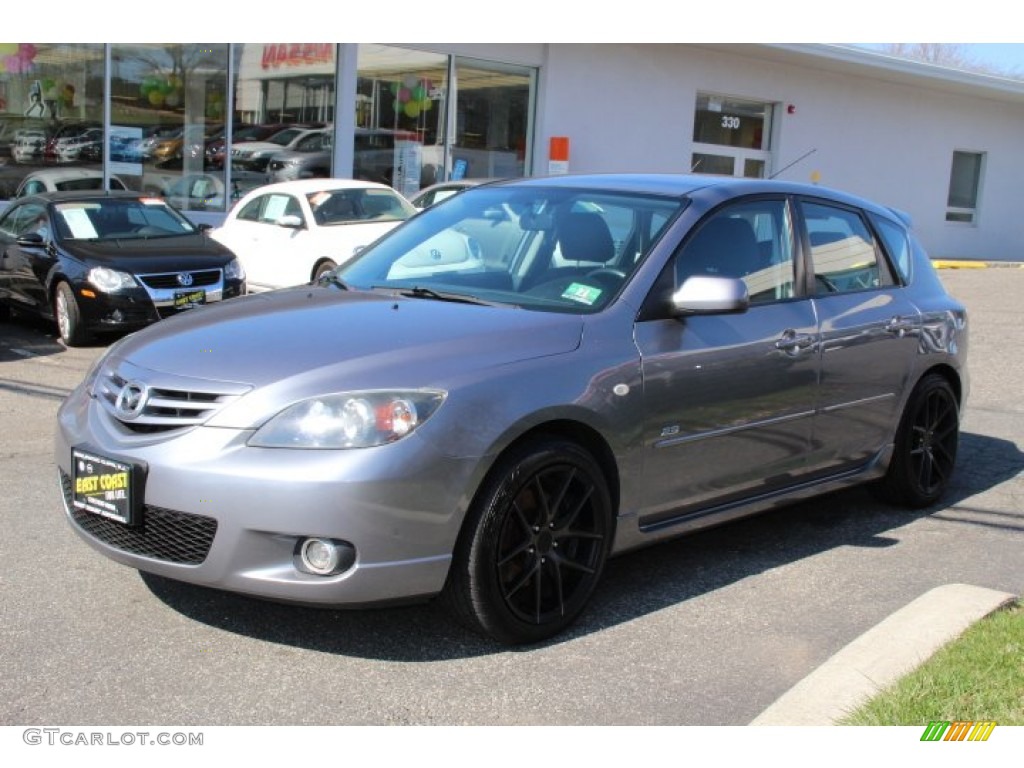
x,y
296,54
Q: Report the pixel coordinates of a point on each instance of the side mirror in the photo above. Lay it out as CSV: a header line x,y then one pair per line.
x,y
204,227
708,295
32,240
291,221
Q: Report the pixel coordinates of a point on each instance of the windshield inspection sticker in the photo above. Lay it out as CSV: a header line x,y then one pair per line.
x,y
584,294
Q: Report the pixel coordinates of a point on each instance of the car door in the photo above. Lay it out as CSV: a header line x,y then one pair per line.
x,y
267,249
729,398
869,334
24,268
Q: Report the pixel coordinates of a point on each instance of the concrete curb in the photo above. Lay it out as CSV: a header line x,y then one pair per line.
x,y
883,654
971,264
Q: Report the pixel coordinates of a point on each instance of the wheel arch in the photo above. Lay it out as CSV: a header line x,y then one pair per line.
x,y
952,377
319,263
574,431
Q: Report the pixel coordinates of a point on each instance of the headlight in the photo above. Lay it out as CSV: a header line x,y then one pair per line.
x,y
348,420
234,270
110,280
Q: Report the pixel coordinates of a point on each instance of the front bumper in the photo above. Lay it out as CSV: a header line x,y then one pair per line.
x,y
221,514
144,305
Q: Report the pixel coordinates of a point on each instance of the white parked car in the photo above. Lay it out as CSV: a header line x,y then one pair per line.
x,y
64,180
28,144
293,232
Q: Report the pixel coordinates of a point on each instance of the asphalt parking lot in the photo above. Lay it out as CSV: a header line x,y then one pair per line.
x,y
706,630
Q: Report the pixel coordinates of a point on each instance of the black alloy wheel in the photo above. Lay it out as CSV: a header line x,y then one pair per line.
x,y
926,446
535,544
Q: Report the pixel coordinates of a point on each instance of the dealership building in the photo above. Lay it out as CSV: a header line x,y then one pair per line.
x,y
938,143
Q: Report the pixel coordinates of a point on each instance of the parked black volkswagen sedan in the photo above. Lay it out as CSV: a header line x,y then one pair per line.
x,y
108,261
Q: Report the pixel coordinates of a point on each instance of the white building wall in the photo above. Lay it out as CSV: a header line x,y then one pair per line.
x,y
631,108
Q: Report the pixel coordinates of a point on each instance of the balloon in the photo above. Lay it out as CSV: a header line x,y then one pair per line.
x,y
27,51
412,108
13,65
394,88
396,105
409,81
48,83
426,104
156,97
8,49
418,93
404,94
173,99
147,85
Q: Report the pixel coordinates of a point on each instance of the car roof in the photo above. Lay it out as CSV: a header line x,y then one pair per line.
x,y
305,186
60,174
85,195
682,184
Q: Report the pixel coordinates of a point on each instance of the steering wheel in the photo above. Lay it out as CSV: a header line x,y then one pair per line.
x,y
829,286
605,272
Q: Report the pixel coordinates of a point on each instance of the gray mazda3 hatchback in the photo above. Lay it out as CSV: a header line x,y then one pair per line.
x,y
516,384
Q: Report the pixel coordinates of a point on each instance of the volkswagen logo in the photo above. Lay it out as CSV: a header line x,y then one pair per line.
x,y
131,400
185,279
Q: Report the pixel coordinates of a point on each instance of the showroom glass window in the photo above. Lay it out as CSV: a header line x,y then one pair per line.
x,y
166,102
52,96
731,136
492,120
417,124
964,182
401,103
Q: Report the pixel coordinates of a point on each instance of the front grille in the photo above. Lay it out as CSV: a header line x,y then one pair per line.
x,y
169,280
166,408
174,537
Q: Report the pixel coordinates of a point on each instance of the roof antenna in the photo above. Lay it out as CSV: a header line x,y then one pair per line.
x,y
803,156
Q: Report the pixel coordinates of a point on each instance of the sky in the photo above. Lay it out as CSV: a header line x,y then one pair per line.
x,y
1002,58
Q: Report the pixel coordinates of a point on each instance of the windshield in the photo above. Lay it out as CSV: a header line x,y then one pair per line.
x,y
559,250
347,205
119,220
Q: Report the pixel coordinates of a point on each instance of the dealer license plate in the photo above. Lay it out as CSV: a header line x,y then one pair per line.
x,y
189,299
103,486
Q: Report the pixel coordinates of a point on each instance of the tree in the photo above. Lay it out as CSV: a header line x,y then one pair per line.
x,y
952,55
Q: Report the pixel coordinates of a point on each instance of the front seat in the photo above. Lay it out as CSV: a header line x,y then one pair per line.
x,y
723,247
584,236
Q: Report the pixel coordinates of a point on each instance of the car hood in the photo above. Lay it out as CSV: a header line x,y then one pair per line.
x,y
257,146
309,340
163,254
294,154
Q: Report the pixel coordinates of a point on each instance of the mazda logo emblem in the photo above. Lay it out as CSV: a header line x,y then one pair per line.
x,y
185,279
131,400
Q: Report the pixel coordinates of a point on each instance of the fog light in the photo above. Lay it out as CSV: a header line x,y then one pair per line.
x,y
324,557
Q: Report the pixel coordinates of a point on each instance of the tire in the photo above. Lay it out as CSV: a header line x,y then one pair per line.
x,y
534,544
926,445
322,268
68,316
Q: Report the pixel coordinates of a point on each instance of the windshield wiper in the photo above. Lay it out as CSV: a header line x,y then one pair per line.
x,y
419,292
329,278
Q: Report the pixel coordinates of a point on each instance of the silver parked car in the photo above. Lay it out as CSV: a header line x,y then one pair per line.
x,y
509,388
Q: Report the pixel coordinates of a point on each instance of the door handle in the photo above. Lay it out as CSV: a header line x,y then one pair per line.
x,y
794,343
898,326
